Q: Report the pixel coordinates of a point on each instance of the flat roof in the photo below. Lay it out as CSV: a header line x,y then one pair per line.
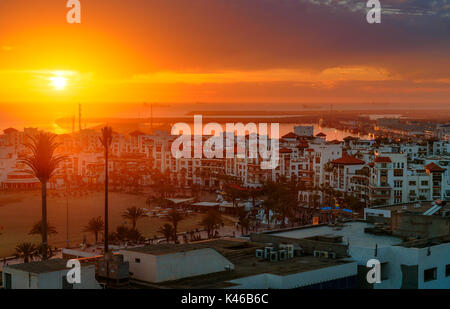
x,y
413,207
41,267
217,244
242,254
351,232
246,264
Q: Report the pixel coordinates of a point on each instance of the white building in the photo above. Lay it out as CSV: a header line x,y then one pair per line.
x,y
160,263
50,274
403,265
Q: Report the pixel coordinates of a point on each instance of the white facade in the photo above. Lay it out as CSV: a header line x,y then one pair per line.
x,y
22,279
148,267
292,281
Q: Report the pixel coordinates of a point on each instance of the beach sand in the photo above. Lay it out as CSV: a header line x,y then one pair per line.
x,y
20,210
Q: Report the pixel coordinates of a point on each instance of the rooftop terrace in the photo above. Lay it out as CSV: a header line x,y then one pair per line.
x,y
351,232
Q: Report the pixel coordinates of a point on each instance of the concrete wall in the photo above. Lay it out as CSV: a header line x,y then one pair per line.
x,y
405,225
396,256
302,279
174,266
145,270
308,245
51,280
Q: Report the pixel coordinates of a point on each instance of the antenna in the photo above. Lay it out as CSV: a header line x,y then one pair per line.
x,y
79,116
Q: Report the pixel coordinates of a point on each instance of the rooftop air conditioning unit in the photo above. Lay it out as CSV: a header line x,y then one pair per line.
x,y
404,207
273,256
260,253
417,205
282,255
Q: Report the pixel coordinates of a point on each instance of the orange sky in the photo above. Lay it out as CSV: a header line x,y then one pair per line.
x,y
217,51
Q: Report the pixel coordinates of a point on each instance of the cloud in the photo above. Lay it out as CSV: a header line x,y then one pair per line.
x,y
327,76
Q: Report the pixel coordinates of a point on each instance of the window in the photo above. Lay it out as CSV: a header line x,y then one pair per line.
x,y
398,173
8,281
412,183
424,183
447,270
429,274
137,260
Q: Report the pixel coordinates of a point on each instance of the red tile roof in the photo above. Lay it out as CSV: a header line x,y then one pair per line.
x,y
321,134
10,130
290,135
348,160
302,145
237,187
285,150
137,133
432,167
382,160
349,138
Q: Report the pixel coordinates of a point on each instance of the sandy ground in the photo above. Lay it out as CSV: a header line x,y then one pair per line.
x,y
19,211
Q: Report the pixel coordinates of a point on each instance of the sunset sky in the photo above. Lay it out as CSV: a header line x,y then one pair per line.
x,y
286,51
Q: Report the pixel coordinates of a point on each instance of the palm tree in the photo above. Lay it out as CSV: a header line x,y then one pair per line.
x,y
43,163
174,216
167,230
94,226
244,221
37,229
134,214
122,233
211,222
26,251
135,235
106,140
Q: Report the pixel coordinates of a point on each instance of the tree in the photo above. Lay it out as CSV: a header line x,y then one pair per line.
x,y
174,216
121,233
253,194
135,235
234,193
244,221
106,140
211,221
43,163
195,191
167,230
26,251
94,226
37,229
134,214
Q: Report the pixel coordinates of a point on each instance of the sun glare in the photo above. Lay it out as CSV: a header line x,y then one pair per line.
x,y
59,82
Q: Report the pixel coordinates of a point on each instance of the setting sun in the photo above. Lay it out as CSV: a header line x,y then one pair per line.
x,y
59,82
